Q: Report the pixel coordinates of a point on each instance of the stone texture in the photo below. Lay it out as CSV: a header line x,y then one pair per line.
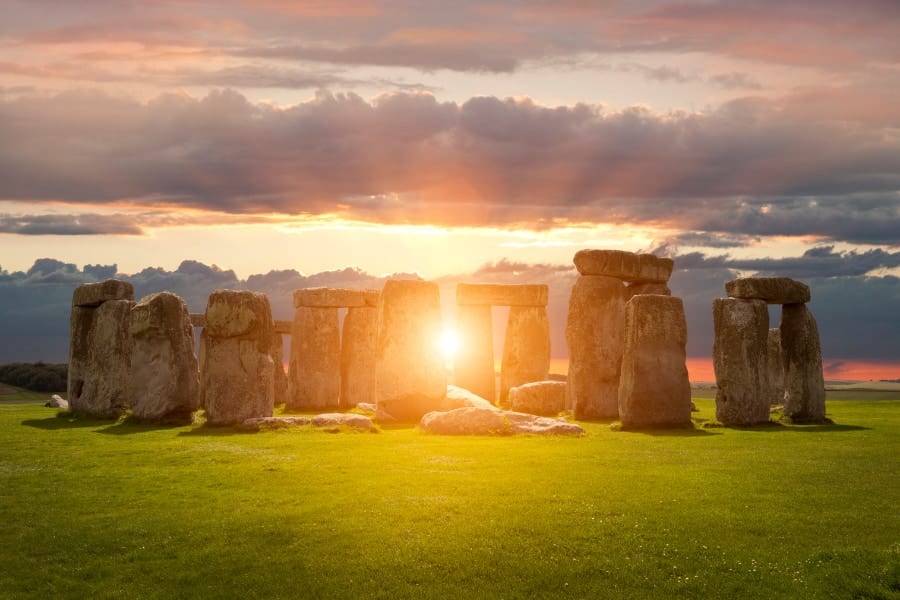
x,y
269,423
654,390
351,420
315,367
485,421
283,327
236,370
775,366
627,266
99,359
595,334
57,401
164,380
94,294
458,397
657,289
526,349
198,319
774,290
539,398
280,382
804,384
335,298
740,355
473,367
358,356
501,294
410,378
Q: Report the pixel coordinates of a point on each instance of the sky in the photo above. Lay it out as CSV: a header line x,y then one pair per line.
x,y
447,138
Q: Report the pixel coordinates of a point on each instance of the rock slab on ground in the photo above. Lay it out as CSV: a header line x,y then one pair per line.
x,y
352,420
458,397
774,290
484,421
539,398
261,423
57,401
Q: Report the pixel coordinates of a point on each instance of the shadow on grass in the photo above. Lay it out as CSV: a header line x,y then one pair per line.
x,y
214,431
132,426
680,432
64,421
776,427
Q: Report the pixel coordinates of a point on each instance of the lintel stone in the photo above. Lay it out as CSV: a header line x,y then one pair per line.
x,y
323,297
627,266
501,294
95,294
774,290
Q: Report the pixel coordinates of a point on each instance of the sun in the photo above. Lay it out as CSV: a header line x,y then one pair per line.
x,y
449,344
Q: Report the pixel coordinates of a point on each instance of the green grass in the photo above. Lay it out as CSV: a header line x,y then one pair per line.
x,y
122,510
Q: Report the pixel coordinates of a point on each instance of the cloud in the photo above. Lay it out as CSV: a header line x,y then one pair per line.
x,y
83,224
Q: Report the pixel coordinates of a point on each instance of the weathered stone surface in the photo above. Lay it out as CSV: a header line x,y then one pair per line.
x,y
473,367
775,366
627,266
57,401
315,368
410,378
358,356
280,382
353,420
367,406
539,398
283,327
740,355
268,423
335,298
99,359
804,384
657,289
774,290
654,390
526,349
95,294
501,294
198,319
458,397
237,376
595,334
164,380
486,421
232,313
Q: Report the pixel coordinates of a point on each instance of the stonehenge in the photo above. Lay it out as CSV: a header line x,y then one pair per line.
x,y
748,376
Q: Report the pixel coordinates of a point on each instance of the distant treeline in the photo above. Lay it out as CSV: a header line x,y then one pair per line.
x,y
37,377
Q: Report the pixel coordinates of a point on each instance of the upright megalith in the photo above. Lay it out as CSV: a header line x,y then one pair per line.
x,y
595,334
473,368
236,367
315,368
100,348
804,384
410,379
775,366
281,379
654,390
740,359
526,349
358,356
164,379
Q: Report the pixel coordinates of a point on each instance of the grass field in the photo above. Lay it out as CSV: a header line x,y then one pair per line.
x,y
120,510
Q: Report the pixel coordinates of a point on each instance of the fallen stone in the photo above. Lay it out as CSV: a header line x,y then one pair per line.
x,y
358,356
501,294
367,406
804,383
595,334
654,391
657,289
56,401
775,367
237,376
539,398
94,294
458,397
627,266
526,349
260,423
164,380
740,355
774,290
335,298
484,421
352,420
473,368
410,379
315,367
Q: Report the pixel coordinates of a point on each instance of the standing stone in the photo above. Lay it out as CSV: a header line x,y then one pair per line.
x,y
236,369
740,355
164,379
654,389
659,289
315,370
776,367
804,384
526,349
358,356
410,379
473,367
595,334
281,379
100,348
